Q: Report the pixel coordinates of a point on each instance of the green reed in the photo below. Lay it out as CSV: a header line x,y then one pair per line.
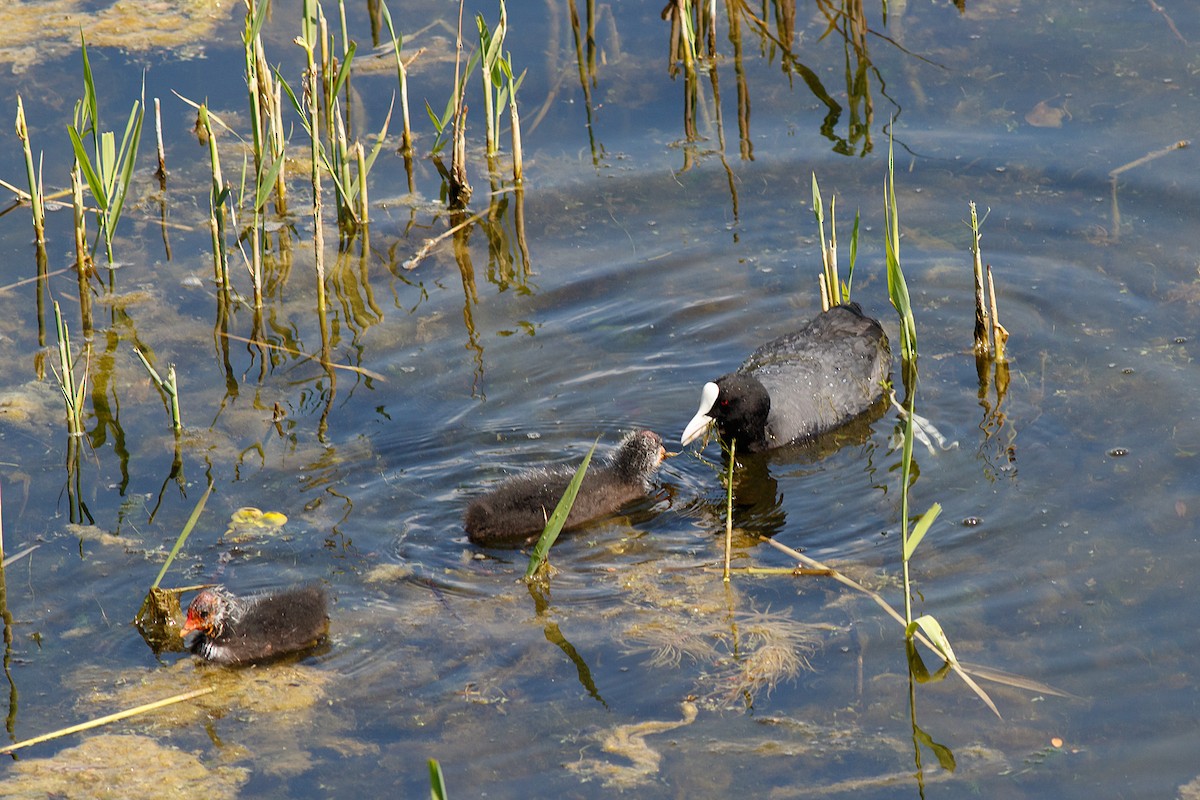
x,y
313,22
437,781
218,196
539,559
258,85
514,118
491,71
83,259
406,137
898,292
72,389
340,160
108,170
910,538
184,534
169,388
833,291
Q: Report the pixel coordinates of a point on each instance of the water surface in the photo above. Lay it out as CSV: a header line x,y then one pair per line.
x,y
655,262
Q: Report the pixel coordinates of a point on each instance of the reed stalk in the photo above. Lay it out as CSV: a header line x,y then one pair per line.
x,y
259,91
833,291
999,332
314,22
514,117
160,171
897,288
982,319
491,73
217,197
406,137
36,201
168,387
360,165
276,136
72,390
990,336
184,534
437,781
459,187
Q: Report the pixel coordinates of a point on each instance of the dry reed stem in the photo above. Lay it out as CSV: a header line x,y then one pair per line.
x,y
96,723
429,244
891,612
308,356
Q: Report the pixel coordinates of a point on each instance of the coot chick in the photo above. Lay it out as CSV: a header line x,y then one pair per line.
x,y
242,630
799,386
517,509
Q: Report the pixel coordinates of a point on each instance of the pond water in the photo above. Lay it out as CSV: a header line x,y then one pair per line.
x,y
637,263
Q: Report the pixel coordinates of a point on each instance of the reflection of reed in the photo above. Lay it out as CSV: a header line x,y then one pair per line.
x,y
83,259
692,44
586,61
462,256
351,286
851,22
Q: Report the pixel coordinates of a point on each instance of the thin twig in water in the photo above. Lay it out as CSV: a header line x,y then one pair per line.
x,y
1170,22
412,263
308,356
1137,162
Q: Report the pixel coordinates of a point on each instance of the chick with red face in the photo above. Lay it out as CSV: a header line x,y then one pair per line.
x,y
226,629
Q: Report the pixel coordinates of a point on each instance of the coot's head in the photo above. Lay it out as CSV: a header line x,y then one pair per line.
x,y
738,404
638,456
209,613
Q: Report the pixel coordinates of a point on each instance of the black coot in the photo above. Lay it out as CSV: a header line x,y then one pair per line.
x,y
799,386
517,509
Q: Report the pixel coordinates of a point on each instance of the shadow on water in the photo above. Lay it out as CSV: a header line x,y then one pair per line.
x,y
758,502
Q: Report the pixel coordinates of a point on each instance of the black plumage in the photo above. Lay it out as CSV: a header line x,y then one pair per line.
x,y
518,508
242,630
799,386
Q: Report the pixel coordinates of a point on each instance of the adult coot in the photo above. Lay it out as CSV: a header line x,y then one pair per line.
x,y
517,509
800,385
242,630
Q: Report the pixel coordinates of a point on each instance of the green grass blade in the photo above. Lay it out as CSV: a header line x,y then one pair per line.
x,y
267,185
85,166
91,107
897,286
437,781
853,255
555,523
183,534
920,529
127,160
344,68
